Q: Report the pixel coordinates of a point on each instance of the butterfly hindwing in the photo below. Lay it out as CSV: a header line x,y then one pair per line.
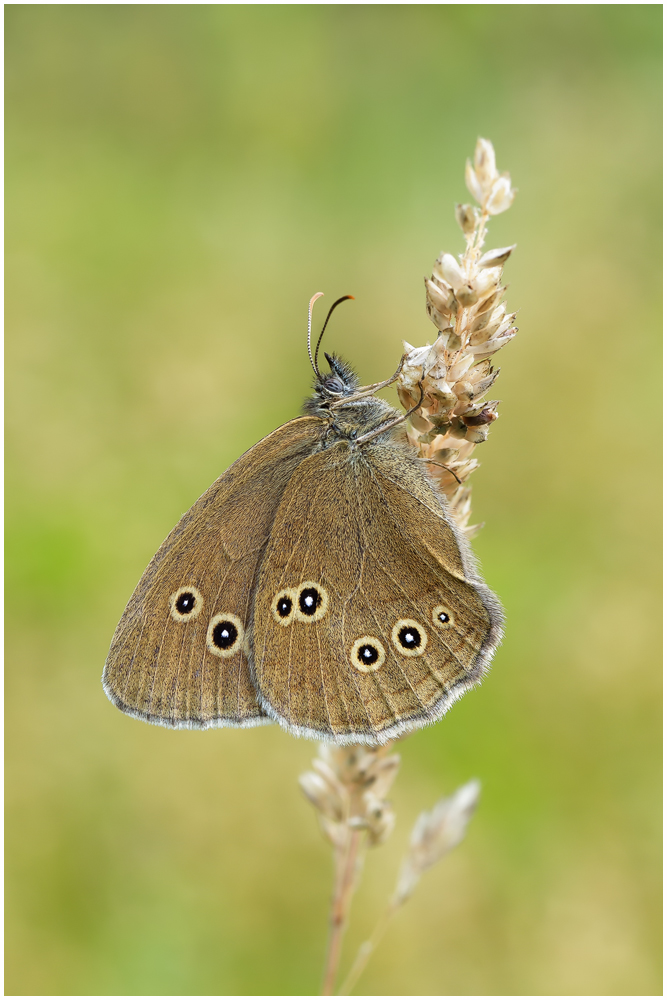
x,y
179,656
389,622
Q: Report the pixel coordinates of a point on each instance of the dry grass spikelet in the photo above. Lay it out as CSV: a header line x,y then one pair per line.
x,y
464,301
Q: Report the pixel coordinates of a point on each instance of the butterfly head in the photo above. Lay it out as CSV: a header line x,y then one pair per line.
x,y
329,387
339,382
340,385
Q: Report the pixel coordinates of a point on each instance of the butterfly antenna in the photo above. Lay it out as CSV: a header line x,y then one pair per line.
x,y
316,296
319,341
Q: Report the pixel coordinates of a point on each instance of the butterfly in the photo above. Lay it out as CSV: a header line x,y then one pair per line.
x,y
320,583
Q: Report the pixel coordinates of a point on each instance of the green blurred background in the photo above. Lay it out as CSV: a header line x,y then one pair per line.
x,y
180,180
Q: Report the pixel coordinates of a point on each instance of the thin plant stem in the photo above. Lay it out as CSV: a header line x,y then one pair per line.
x,y
367,949
340,907
348,786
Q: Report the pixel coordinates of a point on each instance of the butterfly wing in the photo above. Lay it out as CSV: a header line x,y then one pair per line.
x,y
384,621
179,656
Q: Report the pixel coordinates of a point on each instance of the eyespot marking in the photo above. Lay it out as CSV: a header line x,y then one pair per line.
x,y
225,635
367,654
185,604
312,601
282,606
442,617
409,637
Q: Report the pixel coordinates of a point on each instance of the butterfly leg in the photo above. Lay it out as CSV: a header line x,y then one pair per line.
x,y
393,423
369,390
430,461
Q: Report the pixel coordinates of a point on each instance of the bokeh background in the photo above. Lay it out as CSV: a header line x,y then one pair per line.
x,y
180,180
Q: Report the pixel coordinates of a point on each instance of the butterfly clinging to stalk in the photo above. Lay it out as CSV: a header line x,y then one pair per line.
x,y
320,582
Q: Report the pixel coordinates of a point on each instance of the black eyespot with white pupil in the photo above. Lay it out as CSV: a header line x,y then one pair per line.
x,y
409,637
185,602
309,601
224,635
368,655
442,616
284,606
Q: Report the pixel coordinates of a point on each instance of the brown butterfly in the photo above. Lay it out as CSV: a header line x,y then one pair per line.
x,y
320,582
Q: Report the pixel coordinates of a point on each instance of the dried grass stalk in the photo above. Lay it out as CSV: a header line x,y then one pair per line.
x,y
348,786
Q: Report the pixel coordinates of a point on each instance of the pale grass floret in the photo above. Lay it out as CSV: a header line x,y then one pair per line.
x,y
348,786
434,835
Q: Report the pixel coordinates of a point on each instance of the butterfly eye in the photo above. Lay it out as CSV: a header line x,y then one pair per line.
x,y
409,637
333,385
282,607
185,603
225,635
312,602
367,654
442,617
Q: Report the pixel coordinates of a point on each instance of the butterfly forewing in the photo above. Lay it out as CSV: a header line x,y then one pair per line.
x,y
398,624
179,655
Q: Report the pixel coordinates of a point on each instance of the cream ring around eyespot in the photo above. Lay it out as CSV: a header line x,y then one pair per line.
x,y
224,636
283,605
441,609
311,602
403,637
357,652
179,596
